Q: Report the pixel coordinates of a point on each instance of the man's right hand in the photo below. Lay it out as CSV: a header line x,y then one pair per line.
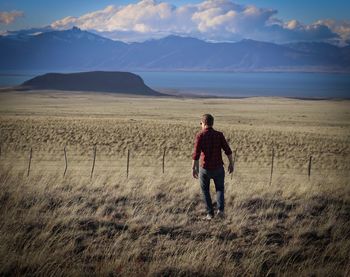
x,y
195,173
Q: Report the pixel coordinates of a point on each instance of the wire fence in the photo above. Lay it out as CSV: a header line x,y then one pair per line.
x,y
88,163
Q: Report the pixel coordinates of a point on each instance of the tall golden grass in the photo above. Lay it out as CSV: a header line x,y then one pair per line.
x,y
150,224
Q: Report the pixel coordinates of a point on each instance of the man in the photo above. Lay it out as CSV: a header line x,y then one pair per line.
x,y
208,145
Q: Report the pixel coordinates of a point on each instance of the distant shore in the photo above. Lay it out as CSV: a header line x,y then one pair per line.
x,y
12,90
231,85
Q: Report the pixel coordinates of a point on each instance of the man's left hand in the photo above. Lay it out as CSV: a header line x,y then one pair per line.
x,y
230,168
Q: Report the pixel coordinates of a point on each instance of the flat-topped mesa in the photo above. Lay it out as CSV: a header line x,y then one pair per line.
x,y
98,81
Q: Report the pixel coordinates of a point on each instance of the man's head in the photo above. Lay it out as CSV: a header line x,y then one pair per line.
x,y
207,120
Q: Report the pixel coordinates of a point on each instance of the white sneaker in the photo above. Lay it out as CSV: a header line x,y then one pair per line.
x,y
208,217
220,214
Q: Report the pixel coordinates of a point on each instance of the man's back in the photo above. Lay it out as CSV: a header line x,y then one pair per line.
x,y
208,145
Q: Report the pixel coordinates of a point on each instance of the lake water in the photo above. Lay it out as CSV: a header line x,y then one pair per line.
x,y
306,85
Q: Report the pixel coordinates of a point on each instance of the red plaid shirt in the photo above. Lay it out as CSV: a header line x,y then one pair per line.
x,y
208,145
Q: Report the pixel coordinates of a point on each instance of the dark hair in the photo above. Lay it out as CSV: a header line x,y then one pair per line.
x,y
208,119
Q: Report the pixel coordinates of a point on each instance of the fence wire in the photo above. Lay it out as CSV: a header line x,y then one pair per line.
x,y
83,163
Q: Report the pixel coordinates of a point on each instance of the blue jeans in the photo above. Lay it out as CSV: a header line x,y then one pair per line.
x,y
218,175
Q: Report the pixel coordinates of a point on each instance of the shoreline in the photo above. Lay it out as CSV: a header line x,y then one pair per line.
x,y
4,90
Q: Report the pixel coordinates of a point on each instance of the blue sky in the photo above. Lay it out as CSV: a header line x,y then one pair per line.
x,y
38,13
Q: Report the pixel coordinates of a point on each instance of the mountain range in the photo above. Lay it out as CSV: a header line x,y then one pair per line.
x,y
78,50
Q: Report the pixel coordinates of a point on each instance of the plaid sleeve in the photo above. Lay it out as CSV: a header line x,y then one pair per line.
x,y
225,145
197,148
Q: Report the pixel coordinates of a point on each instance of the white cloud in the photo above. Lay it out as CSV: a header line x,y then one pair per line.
x,y
292,24
341,27
145,16
9,17
210,19
97,20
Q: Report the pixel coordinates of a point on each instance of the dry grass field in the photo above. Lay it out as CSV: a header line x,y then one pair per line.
x,y
150,224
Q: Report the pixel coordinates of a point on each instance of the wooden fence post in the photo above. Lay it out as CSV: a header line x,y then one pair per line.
x,y
30,161
65,159
234,162
93,163
127,165
164,158
309,169
273,156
